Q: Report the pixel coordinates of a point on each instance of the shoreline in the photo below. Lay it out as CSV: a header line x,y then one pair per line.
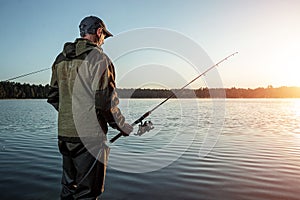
x,y
171,98
12,90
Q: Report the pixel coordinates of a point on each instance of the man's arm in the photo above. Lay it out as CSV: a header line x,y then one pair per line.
x,y
53,95
106,102
106,98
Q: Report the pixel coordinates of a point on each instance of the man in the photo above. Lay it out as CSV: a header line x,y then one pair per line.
x,y
83,92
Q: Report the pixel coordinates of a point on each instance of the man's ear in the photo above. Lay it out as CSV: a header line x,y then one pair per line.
x,y
99,32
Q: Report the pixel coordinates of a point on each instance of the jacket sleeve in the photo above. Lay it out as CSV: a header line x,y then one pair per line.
x,y
53,95
106,98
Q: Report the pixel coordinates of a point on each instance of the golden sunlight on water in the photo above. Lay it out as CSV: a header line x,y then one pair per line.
x,y
256,156
297,117
297,107
297,113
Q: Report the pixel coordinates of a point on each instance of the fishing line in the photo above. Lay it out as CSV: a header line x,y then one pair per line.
x,y
147,125
171,96
23,75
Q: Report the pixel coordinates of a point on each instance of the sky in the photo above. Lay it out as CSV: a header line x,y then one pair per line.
x,y
266,33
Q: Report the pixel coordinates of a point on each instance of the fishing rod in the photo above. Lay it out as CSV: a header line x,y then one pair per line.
x,y
23,75
148,125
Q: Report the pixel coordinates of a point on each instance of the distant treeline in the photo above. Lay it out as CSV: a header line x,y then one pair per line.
x,y
12,90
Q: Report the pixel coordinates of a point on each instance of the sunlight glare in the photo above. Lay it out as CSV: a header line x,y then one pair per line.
x,y
297,108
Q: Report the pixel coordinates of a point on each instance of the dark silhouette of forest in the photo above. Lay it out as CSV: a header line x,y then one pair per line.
x,y
13,90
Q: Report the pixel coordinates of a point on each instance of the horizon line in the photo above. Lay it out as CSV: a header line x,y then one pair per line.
x,y
231,87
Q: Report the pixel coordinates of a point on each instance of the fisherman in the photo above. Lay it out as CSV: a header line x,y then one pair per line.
x,y
82,90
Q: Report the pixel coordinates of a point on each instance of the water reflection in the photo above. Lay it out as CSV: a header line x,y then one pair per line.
x,y
257,156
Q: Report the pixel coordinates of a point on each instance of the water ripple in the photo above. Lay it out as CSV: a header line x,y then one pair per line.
x,y
257,156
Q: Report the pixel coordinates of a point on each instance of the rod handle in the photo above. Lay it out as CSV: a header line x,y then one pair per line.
x,y
115,138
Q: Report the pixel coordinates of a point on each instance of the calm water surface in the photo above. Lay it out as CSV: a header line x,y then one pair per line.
x,y
255,156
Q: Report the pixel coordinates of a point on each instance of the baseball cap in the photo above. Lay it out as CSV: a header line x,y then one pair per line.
x,y
91,24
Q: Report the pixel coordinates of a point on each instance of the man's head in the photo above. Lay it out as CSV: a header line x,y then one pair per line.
x,y
94,29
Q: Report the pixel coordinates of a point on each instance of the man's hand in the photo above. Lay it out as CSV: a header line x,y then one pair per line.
x,y
127,129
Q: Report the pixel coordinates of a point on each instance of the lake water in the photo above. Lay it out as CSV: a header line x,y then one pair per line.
x,y
233,149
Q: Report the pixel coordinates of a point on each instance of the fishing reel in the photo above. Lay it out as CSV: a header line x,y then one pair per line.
x,y
144,127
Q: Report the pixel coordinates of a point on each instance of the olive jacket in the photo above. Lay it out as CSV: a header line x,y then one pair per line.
x,y
82,90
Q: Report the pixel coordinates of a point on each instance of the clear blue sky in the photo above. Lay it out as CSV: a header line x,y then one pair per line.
x,y
265,32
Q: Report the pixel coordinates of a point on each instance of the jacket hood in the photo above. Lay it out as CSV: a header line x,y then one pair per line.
x,y
80,46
